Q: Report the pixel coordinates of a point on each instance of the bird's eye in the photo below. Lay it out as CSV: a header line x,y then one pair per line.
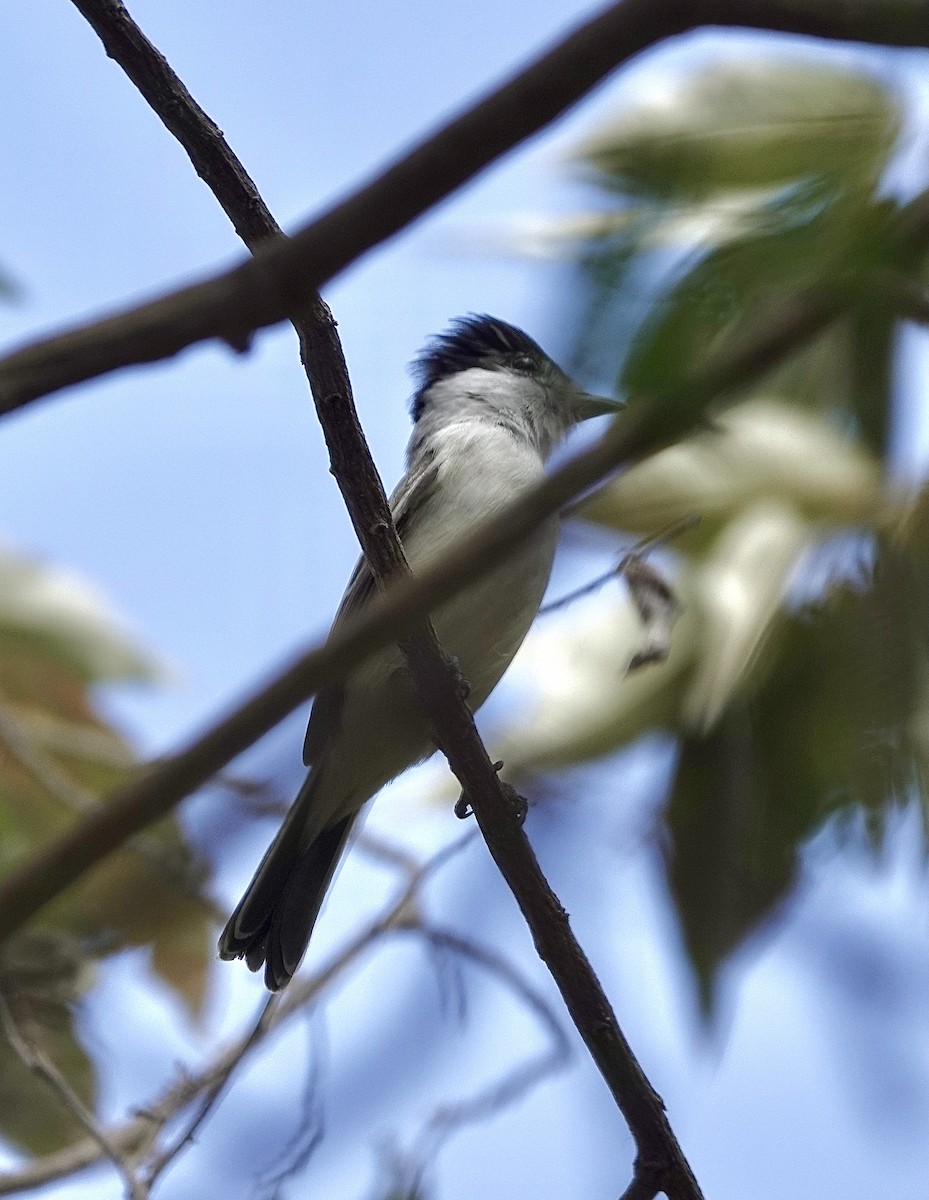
x,y
523,362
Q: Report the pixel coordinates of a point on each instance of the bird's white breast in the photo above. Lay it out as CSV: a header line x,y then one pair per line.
x,y
482,468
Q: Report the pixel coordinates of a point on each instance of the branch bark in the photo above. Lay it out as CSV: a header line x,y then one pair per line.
x,y
644,429
660,1162
435,676
232,305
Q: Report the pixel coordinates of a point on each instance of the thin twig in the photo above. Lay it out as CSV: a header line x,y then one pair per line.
x,y
43,1068
309,1126
212,1093
136,1138
281,279
452,1116
642,546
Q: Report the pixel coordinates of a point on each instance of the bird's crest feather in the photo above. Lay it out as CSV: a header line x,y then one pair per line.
x,y
473,341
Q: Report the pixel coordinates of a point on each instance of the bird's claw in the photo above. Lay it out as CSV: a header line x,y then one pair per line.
x,y
518,804
463,808
461,684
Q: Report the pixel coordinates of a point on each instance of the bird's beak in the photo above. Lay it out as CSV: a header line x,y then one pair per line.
x,y
586,406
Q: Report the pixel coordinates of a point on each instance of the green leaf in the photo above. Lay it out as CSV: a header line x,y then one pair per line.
x,y
42,976
834,725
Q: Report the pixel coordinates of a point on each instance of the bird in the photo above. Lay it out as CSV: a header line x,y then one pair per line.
x,y
489,408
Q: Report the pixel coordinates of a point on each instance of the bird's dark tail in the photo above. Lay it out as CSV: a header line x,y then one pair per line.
x,y
274,919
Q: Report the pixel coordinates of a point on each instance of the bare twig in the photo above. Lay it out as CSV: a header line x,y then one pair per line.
x,y
32,1057
450,1117
212,1091
282,278
641,547
136,1139
309,1126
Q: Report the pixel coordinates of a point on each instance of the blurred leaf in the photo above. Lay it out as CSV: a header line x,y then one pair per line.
x,y
834,724
58,756
56,614
765,173
719,199
586,703
740,588
818,238
149,897
760,450
757,121
41,976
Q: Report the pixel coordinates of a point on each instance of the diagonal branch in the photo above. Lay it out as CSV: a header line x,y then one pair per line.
x,y
436,680
645,428
232,305
659,1157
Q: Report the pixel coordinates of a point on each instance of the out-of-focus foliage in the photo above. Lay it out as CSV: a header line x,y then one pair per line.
x,y
9,289
58,756
798,680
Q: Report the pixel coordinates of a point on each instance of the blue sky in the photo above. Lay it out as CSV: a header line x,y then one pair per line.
x,y
196,495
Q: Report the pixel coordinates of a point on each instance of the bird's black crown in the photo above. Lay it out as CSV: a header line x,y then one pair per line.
x,y
473,341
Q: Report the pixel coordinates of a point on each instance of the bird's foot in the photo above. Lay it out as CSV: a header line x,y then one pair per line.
x,y
518,804
461,684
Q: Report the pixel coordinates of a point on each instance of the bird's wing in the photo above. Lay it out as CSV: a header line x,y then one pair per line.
x,y
412,492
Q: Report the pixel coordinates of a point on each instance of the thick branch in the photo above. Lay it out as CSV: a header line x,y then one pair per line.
x,y
232,305
659,1156
647,427
435,677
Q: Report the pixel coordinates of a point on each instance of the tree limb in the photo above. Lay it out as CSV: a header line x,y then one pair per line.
x,y
232,305
643,429
659,1157
435,676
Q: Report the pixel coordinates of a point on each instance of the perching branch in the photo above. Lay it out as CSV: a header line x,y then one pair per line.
x,y
280,280
645,428
436,681
660,1161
